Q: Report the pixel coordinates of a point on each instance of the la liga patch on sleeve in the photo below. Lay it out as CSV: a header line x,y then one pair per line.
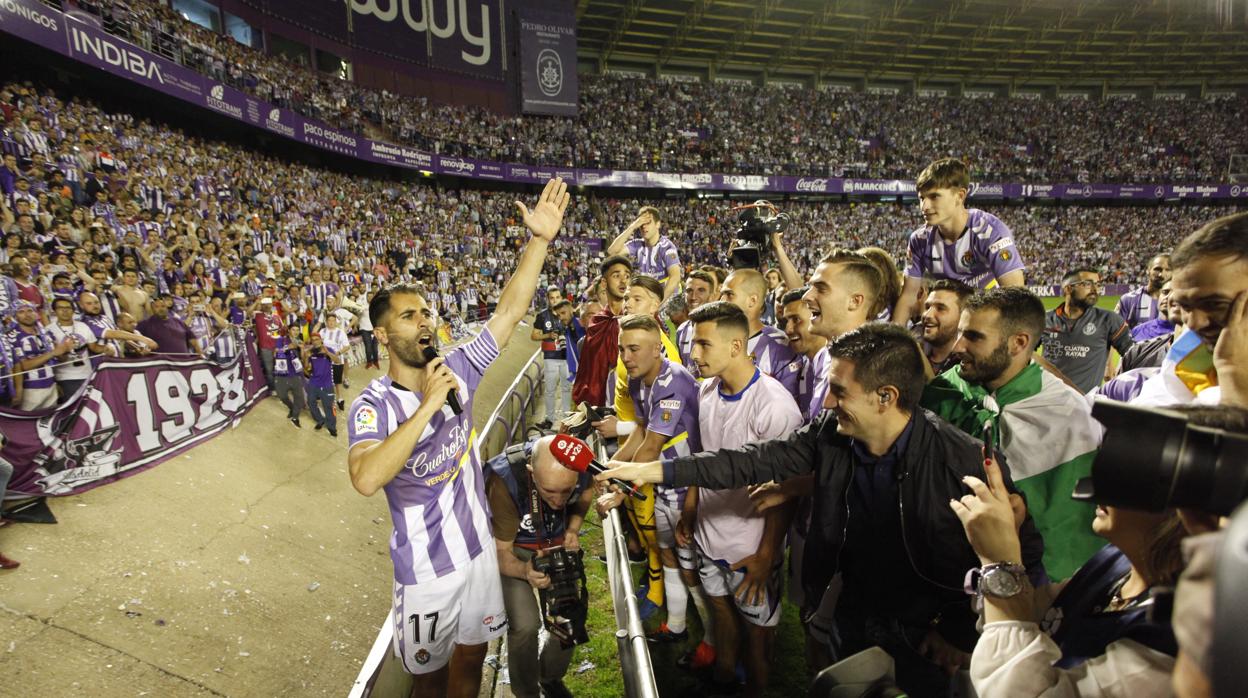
x,y
366,420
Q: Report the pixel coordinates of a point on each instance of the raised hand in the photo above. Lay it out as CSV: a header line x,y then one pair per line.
x,y
546,217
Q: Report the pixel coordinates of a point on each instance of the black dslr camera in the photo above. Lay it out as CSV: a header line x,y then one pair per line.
x,y
565,603
756,223
1157,459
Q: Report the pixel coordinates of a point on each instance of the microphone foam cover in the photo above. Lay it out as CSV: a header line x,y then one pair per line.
x,y
571,452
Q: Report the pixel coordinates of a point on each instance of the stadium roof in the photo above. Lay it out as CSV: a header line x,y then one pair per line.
x,y
1020,42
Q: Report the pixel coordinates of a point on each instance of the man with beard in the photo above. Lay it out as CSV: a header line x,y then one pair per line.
x,y
407,438
1150,347
1205,364
1160,326
1042,426
1142,304
1078,335
602,336
108,333
941,311
884,474
35,355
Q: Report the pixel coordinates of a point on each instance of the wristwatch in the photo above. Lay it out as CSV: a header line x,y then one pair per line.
x,y
1000,580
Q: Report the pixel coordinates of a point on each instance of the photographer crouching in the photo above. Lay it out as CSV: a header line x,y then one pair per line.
x,y
538,506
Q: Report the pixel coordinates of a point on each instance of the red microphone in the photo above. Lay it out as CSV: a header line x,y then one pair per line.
x,y
574,454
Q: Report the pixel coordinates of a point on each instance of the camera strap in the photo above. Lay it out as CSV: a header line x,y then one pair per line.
x,y
535,510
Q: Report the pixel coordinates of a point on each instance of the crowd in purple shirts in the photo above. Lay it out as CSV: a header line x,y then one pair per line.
x,y
89,195
675,125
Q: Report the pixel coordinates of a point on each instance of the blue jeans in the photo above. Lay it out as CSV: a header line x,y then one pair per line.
x,y
321,405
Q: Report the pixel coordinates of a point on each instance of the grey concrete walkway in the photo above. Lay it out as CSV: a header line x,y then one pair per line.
x,y
247,567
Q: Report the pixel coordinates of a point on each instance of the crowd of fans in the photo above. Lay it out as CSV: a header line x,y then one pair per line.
x,y
644,124
127,237
88,194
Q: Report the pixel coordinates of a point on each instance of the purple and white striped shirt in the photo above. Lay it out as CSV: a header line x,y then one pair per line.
x,y
437,502
812,381
225,345
1137,307
652,261
28,346
982,254
100,324
318,293
772,355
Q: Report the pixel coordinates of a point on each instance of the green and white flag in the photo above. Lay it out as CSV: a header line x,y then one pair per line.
x,y
1048,436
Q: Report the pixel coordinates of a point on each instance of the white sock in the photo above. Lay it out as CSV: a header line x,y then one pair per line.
x,y
708,620
677,599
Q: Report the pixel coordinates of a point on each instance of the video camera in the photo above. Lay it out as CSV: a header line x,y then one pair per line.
x,y
756,223
1156,459
565,603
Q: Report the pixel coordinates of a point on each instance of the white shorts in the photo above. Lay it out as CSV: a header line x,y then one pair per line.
x,y
666,516
718,580
463,608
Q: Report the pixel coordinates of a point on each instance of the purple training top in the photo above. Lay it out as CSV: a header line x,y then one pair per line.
x,y
982,254
652,261
437,501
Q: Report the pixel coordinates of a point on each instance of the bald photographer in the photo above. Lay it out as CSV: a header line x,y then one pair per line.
x,y
538,506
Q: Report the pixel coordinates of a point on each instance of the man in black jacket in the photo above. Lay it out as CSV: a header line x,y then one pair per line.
x,y
885,472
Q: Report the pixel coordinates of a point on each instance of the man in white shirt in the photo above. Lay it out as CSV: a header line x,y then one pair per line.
x,y
335,339
742,551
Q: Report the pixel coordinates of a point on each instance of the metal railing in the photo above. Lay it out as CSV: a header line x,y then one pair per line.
x,y
630,636
505,415
380,671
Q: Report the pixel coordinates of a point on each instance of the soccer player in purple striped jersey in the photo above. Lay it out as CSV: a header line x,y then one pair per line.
x,y
747,289
955,242
665,398
1139,305
405,440
810,361
700,288
651,253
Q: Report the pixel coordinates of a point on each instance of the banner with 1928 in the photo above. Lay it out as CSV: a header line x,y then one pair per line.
x,y
132,415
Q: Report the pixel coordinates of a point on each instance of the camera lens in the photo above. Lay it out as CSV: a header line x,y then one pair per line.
x,y
1153,459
